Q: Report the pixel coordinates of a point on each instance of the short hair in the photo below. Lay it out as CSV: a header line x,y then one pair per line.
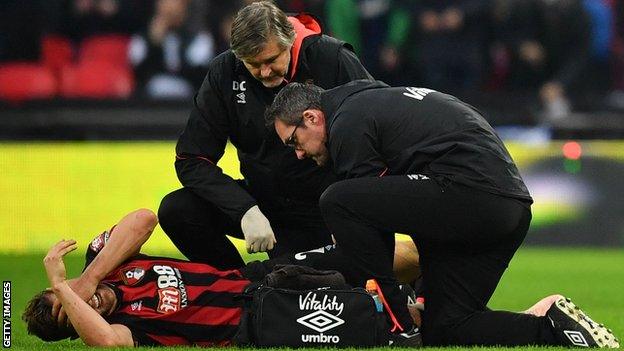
x,y
255,24
290,103
41,323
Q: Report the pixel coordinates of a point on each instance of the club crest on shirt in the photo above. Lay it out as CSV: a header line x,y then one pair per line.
x,y
132,275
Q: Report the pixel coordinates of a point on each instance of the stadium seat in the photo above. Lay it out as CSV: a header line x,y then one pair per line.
x,y
97,80
109,48
22,81
56,52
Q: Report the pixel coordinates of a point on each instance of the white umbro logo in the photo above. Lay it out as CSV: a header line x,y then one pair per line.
x,y
417,177
241,98
576,338
320,321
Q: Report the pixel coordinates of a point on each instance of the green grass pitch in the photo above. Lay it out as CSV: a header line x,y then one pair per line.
x,y
77,189
593,278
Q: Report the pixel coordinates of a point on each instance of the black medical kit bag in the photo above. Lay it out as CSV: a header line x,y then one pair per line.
x,y
330,315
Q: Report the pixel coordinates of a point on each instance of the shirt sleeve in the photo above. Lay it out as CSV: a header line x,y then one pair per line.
x,y
96,245
202,145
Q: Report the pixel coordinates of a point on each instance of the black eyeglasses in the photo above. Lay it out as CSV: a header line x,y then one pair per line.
x,y
291,141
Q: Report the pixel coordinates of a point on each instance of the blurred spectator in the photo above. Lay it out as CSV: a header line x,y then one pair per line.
x,y
220,15
540,47
170,57
21,27
377,29
448,40
546,55
513,24
83,18
559,57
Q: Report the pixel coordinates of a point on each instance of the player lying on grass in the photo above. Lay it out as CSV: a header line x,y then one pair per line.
x,y
134,300
160,301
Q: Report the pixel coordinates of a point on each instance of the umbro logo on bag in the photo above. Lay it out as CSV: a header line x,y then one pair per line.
x,y
576,338
320,321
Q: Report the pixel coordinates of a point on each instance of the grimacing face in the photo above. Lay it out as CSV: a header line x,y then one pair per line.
x,y
104,301
270,66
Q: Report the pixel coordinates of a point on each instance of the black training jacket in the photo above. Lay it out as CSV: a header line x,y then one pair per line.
x,y
376,130
230,105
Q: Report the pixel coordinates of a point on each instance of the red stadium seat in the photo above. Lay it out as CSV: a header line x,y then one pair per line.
x,y
97,80
21,81
109,48
56,52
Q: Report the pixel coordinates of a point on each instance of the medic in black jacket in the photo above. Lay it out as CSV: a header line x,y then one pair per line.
x,y
417,161
230,106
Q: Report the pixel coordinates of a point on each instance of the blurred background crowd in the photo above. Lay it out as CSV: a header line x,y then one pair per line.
x,y
544,58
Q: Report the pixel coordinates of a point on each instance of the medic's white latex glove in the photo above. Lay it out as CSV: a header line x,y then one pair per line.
x,y
257,230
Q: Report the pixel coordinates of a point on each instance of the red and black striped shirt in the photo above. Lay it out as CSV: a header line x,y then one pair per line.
x,y
165,301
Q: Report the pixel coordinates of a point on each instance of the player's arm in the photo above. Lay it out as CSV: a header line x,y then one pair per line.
x,y
202,144
199,148
125,241
90,326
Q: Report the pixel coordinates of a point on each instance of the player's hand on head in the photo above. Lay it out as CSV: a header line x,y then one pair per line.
x,y
82,288
53,261
259,236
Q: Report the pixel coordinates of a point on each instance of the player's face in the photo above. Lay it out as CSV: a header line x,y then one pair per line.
x,y
270,66
103,301
308,139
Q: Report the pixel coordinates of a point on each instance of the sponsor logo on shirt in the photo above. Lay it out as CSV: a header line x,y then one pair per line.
x,y
136,306
172,294
168,300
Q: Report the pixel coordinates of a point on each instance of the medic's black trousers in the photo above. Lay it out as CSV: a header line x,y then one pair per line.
x,y
198,228
465,238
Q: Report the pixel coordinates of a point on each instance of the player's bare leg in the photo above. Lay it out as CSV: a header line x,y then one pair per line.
x,y
406,261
